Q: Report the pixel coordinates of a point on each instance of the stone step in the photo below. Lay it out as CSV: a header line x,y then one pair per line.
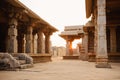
x,y
24,66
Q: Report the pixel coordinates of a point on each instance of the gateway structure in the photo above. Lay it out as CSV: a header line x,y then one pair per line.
x,y
71,33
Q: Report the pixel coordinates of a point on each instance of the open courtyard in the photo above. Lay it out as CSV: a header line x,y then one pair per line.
x,y
60,69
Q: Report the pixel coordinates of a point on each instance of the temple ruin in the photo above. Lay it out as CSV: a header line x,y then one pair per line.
x,y
23,34
101,34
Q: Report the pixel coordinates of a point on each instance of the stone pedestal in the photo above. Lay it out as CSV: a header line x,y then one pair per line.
x,y
12,36
102,63
101,52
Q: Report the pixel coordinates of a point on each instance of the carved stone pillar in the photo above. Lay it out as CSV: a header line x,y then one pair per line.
x,y
12,36
29,40
47,43
112,39
40,42
101,53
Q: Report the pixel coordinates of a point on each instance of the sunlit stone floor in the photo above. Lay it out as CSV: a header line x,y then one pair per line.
x,y
60,69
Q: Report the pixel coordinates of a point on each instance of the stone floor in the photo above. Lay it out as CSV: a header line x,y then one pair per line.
x,y
60,69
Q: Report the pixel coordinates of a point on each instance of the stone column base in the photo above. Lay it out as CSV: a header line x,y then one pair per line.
x,y
83,57
102,63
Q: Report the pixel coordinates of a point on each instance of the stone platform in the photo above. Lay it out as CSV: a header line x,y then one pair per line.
x,y
112,57
70,57
37,58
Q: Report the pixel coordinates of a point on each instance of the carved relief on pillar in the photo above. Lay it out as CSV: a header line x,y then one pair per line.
x,y
12,36
14,15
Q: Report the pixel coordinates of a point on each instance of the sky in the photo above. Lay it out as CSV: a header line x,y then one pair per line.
x,y
59,13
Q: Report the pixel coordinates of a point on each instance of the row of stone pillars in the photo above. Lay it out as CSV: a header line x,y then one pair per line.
x,y
28,40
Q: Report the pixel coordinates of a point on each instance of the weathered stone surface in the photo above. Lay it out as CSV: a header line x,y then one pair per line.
x,y
8,61
27,58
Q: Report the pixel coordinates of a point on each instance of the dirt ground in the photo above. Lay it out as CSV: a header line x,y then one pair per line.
x,y
60,69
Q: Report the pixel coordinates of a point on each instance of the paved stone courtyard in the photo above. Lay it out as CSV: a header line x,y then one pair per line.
x,y
60,69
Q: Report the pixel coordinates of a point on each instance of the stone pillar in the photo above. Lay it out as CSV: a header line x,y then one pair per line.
x,y
70,48
47,44
40,42
86,45
29,40
12,34
112,39
67,47
34,43
101,53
